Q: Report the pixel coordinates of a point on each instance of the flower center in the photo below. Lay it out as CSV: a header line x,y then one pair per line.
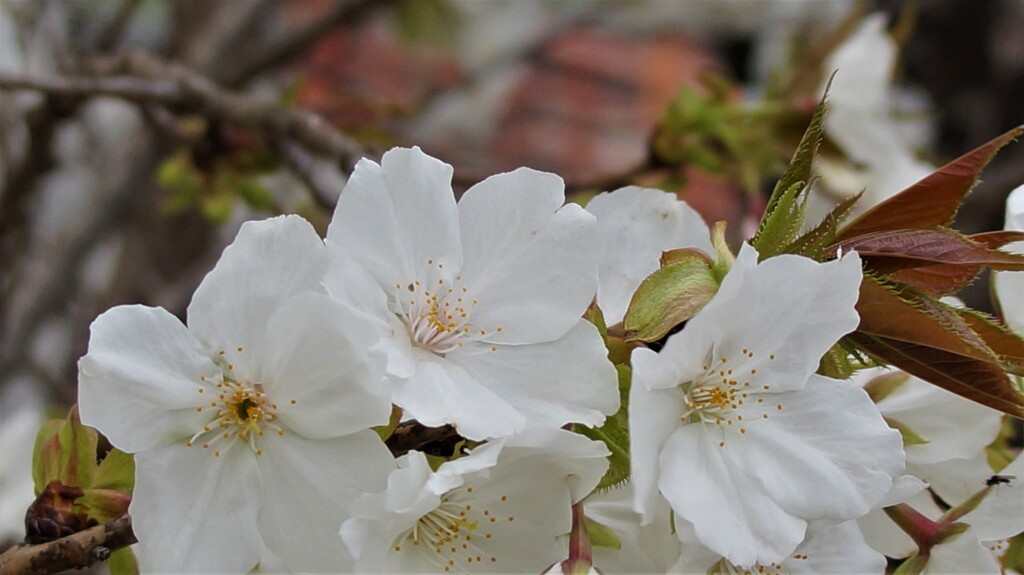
x,y
437,311
240,411
457,533
719,393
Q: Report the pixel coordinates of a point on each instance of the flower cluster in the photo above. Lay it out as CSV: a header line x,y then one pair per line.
x,y
260,428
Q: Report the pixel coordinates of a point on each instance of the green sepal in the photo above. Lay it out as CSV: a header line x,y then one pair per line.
x,y
385,431
909,436
670,295
913,565
884,385
601,535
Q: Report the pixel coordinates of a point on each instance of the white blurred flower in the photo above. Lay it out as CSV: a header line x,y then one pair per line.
x,y
1009,286
21,416
483,298
731,425
634,226
861,119
499,509
250,425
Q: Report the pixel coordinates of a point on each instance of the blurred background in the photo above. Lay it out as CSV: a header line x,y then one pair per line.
x,y
137,135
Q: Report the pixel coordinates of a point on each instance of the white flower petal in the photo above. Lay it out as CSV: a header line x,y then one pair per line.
x,y
269,262
196,513
730,510
635,225
930,411
827,454
530,262
834,549
964,554
884,536
393,217
318,368
139,382
441,393
651,548
955,480
309,486
787,311
541,384
1001,514
559,453
349,282
653,417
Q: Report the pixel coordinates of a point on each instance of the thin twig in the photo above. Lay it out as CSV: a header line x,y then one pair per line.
x,y
72,552
111,35
299,40
303,165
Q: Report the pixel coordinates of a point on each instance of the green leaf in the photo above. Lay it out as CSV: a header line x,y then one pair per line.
x,y
123,562
812,244
46,454
217,206
779,227
116,471
615,435
428,21
78,451
935,199
670,296
254,194
601,535
103,505
784,215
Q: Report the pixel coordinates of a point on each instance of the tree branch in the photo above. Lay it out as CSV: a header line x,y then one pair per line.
x,y
72,552
299,40
143,78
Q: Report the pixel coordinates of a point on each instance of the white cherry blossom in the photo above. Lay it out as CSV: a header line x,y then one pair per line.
x,y
1009,286
250,425
827,548
483,299
634,226
731,425
499,509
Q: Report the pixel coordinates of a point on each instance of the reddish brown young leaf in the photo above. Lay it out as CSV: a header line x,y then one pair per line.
x,y
913,248
938,261
997,239
934,200
967,377
937,280
937,343
885,313
1008,346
